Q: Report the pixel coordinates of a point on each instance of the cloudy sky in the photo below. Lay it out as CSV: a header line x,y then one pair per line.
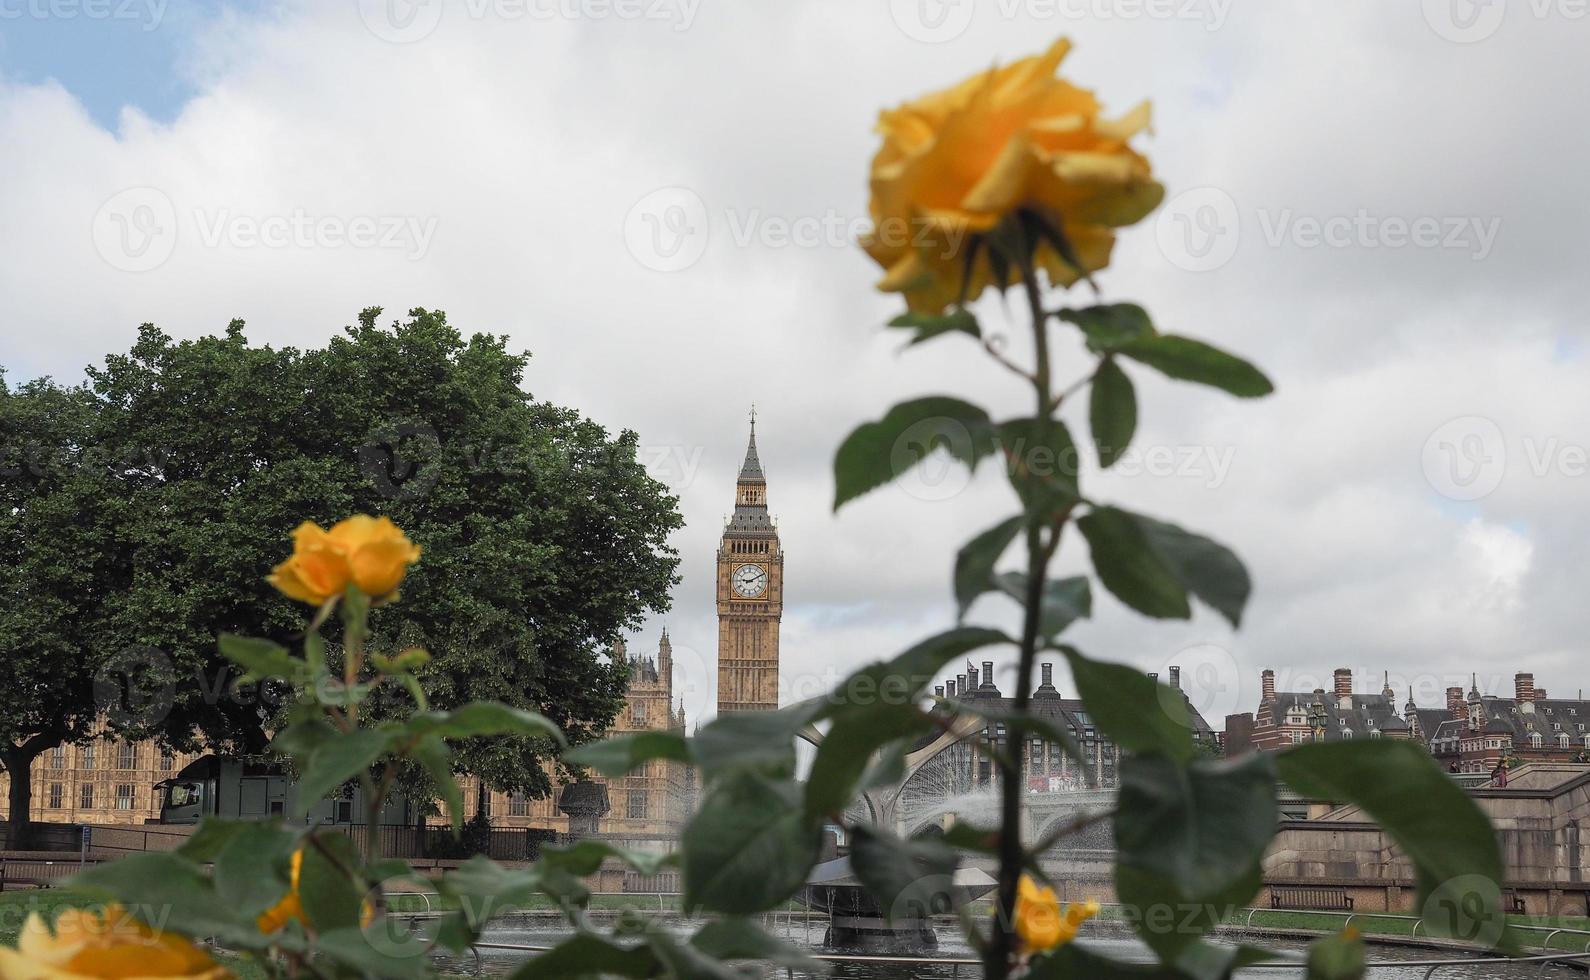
x,y
1373,200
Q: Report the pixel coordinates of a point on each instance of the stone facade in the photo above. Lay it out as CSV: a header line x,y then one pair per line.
x,y
654,800
750,595
100,782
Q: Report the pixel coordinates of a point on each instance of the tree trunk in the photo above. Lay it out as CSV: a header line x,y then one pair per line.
x,y
19,766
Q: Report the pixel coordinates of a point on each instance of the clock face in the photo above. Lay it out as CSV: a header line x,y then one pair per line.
x,y
749,581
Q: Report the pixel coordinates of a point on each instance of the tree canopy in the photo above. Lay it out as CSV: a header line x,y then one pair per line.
x,y
174,476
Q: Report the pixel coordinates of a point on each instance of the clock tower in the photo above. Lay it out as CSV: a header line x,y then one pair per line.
x,y
750,595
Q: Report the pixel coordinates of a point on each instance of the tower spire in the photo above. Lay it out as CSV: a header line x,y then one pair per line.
x,y
751,469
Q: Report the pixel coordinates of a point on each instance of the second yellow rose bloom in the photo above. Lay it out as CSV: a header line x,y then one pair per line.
x,y
370,553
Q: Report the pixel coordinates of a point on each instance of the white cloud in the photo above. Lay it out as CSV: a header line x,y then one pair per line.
x,y
523,143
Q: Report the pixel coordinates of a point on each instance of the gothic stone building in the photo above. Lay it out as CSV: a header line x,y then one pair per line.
x,y
653,801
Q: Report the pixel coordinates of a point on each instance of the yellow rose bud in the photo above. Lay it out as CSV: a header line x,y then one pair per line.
x,y
372,553
955,163
1040,923
106,944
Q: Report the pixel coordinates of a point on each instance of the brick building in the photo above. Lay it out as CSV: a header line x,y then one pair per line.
x,y
1471,733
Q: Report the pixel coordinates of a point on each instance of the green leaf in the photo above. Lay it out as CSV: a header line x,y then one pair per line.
x,y
261,659
1112,412
1192,360
1171,923
251,869
331,897
1109,326
301,738
436,759
1128,566
1450,842
1197,961
338,760
1042,462
738,938
1199,826
376,953
1138,713
1064,601
588,955
484,889
1338,957
172,887
213,835
483,718
619,755
879,452
759,741
903,679
974,563
749,847
1208,570
927,326
583,858
910,879
849,746
1151,565
969,837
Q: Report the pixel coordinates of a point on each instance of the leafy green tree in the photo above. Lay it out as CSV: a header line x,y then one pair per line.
x,y
58,565
544,538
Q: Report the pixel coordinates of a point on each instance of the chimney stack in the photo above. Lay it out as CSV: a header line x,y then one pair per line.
x,y
1524,691
1456,707
1175,678
949,688
938,690
960,684
971,678
1267,686
1343,689
1540,694
988,676
1048,674
1153,676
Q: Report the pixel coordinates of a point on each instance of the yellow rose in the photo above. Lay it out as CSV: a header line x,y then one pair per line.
x,y
292,907
370,552
108,944
1041,923
955,163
